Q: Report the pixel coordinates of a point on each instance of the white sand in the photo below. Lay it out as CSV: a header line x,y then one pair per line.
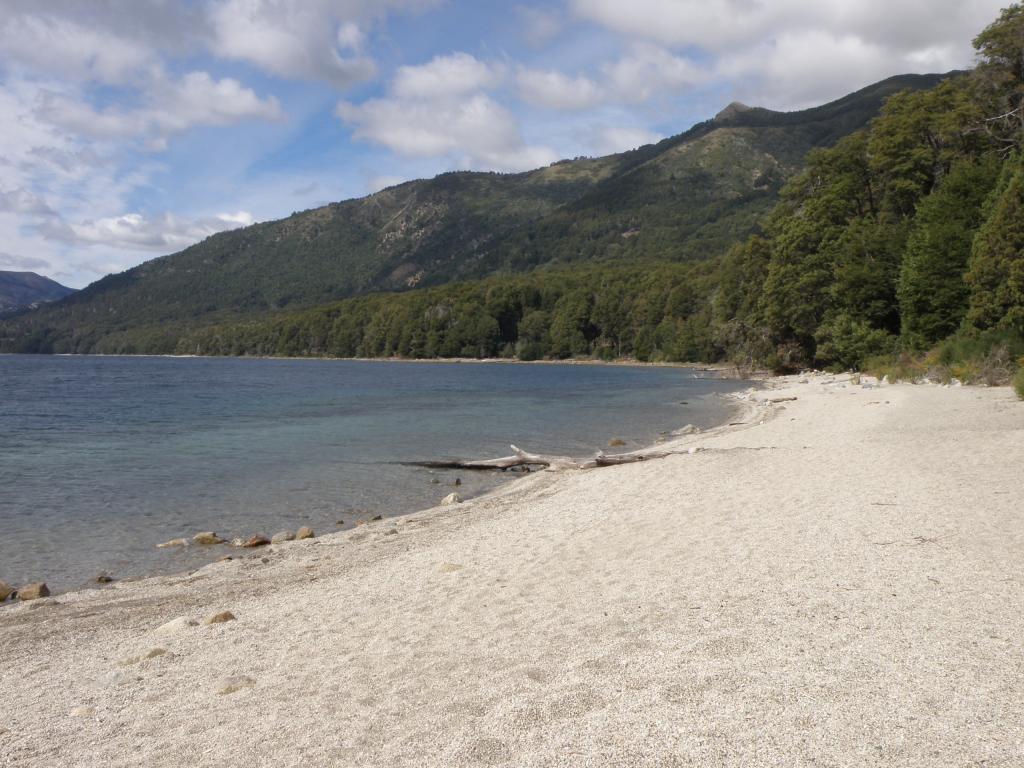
x,y
840,586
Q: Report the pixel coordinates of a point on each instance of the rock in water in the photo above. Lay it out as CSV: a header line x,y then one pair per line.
x,y
254,541
451,498
282,537
207,538
616,442
6,590
220,618
305,533
173,543
234,684
33,591
176,625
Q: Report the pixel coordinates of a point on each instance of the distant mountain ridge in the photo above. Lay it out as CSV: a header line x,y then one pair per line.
x,y
688,197
27,289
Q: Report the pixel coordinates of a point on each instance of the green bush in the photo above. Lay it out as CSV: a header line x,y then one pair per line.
x,y
1018,383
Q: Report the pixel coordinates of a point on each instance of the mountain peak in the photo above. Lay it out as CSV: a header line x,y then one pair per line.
x,y
26,289
733,110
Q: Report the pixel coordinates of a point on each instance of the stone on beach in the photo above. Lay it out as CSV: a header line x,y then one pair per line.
x,y
33,591
305,532
176,625
220,618
173,543
282,537
6,590
451,498
252,541
234,684
82,712
104,578
207,538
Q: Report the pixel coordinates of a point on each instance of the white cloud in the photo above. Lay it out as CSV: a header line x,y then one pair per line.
x,y
540,26
645,72
610,141
444,77
799,52
63,47
23,201
109,43
172,107
300,39
439,109
720,25
649,70
164,232
30,263
555,90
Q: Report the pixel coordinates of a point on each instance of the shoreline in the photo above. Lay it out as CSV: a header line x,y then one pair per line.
x,y
739,406
226,549
726,370
819,584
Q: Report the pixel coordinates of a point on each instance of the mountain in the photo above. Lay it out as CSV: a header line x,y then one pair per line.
x,y
27,289
685,198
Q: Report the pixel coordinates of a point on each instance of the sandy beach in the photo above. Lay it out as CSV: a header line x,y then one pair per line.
x,y
837,581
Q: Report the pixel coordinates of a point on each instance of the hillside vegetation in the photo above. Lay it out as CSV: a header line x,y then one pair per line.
x,y
686,198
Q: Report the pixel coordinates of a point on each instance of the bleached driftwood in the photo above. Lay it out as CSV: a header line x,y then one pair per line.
x,y
521,458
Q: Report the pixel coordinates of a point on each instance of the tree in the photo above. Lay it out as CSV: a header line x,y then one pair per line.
x,y
1000,76
996,273
933,294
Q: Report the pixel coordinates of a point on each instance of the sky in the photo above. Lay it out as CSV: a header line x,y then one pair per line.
x,y
134,128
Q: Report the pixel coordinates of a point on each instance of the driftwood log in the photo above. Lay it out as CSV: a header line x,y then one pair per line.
x,y
521,458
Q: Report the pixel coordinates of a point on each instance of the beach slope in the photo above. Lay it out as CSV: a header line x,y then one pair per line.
x,y
837,581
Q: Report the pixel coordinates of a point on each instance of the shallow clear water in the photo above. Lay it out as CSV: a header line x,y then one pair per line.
x,y
101,458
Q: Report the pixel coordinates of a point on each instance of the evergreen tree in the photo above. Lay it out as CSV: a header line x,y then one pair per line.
x,y
932,292
996,274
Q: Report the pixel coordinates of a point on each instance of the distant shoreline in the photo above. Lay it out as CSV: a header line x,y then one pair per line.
x,y
726,370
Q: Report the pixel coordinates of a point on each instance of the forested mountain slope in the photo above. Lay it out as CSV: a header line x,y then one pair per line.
x,y
23,289
688,197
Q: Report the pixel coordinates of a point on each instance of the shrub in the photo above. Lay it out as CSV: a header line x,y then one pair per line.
x,y
1018,383
904,367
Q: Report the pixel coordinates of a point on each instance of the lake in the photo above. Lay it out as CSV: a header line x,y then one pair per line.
x,y
102,458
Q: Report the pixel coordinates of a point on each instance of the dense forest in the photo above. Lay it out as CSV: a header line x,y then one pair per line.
x,y
903,237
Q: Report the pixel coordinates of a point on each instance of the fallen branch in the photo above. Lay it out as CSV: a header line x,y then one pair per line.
x,y
521,458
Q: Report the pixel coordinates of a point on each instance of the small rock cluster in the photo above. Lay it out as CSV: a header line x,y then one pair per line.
x,y
28,592
210,538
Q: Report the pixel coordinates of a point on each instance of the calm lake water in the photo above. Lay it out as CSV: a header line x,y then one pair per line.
x,y
101,458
